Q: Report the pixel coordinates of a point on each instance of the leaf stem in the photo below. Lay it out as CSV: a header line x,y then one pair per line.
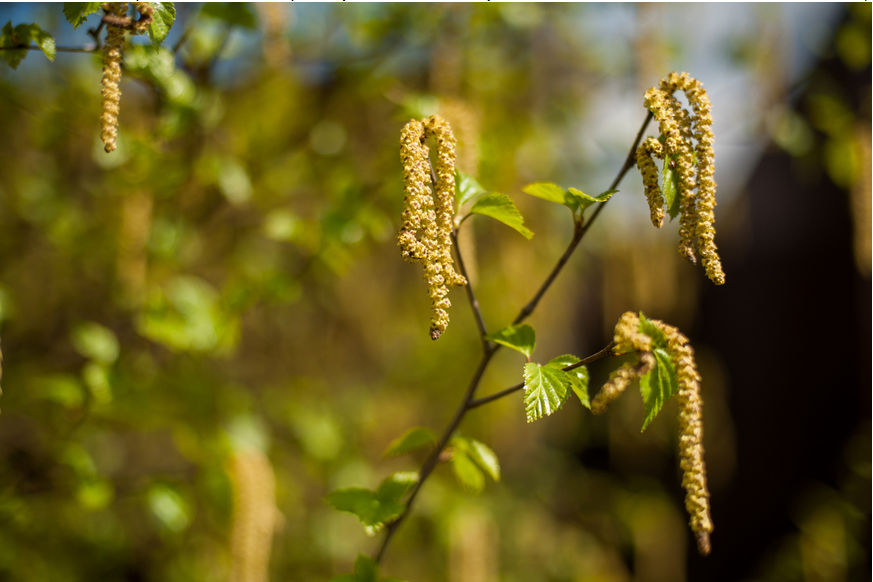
x,y
61,49
477,402
489,349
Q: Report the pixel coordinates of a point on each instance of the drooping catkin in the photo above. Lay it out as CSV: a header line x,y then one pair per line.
x,y
686,135
111,80
429,208
627,338
254,515
690,434
650,149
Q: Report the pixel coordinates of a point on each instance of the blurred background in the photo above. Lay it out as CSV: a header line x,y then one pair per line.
x,y
219,305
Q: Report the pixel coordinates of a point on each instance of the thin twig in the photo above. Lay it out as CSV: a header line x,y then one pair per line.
x,y
471,295
489,349
61,49
477,402
431,462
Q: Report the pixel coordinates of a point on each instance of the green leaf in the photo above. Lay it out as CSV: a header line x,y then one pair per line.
x,y
467,471
500,207
521,338
547,191
545,390
579,199
466,187
375,508
43,40
670,187
412,440
658,386
24,35
77,12
659,340
235,13
484,457
95,342
164,17
577,377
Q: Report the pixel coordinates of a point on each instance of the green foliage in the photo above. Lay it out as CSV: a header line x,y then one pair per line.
x,y
471,461
412,440
95,342
660,384
466,187
670,188
375,508
232,13
23,35
164,16
77,12
501,208
574,199
157,65
521,338
366,570
546,387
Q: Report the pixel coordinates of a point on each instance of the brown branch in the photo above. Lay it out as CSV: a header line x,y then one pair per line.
x,y
489,349
61,49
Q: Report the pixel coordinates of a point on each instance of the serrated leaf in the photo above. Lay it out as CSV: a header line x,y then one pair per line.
x,y
659,340
501,208
466,187
547,191
658,386
670,187
545,390
413,439
77,12
521,338
236,13
163,18
468,472
577,377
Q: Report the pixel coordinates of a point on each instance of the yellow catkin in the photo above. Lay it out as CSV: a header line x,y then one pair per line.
x,y
146,16
627,338
428,214
691,452
111,80
674,126
650,149
254,516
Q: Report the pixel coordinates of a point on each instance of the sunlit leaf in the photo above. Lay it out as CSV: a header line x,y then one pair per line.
x,y
545,390
579,199
521,338
375,508
467,471
412,440
658,386
486,458
466,187
547,191
23,35
577,377
501,208
77,12
163,18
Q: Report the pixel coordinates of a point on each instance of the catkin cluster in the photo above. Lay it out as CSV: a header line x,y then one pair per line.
x,y
628,339
687,143
117,23
254,515
429,210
